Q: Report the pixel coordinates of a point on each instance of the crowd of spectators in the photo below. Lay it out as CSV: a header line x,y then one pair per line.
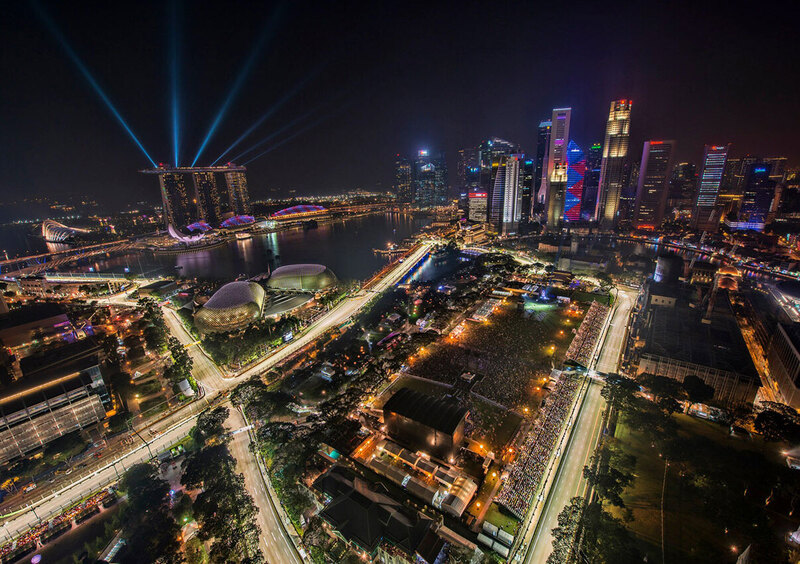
x,y
582,346
62,522
527,470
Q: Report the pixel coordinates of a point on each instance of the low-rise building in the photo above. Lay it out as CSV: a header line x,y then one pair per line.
x,y
688,340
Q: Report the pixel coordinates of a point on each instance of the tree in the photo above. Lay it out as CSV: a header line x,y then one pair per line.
x,y
110,346
777,426
661,386
697,390
564,535
210,423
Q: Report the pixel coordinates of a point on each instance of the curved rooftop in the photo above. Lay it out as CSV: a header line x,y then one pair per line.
x,y
55,232
302,277
299,210
234,306
437,413
235,294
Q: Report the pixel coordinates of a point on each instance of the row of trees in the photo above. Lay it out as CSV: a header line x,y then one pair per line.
x,y
224,510
242,347
155,332
731,486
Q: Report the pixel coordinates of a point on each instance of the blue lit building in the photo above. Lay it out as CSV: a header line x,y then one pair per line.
x,y
759,191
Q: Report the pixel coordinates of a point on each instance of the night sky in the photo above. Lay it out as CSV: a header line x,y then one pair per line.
x,y
380,79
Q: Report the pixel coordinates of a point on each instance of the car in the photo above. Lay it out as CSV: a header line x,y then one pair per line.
x,y
29,488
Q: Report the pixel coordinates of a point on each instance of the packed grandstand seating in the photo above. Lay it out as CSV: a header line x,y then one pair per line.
x,y
47,530
527,471
583,345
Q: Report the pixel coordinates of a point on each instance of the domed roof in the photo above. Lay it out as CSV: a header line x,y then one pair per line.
x,y
728,271
728,283
234,294
302,277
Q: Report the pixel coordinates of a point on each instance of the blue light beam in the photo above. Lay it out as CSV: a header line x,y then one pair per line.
x,y
299,132
174,58
266,34
53,28
269,113
275,133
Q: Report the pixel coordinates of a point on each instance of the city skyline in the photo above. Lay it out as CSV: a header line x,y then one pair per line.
x,y
380,120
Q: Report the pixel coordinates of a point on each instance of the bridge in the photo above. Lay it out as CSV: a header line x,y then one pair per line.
x,y
36,264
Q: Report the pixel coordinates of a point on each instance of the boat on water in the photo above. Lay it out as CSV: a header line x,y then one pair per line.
x,y
244,236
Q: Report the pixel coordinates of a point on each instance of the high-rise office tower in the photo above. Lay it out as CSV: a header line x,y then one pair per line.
x,y
759,192
556,156
490,153
777,167
429,179
478,206
527,189
178,207
206,194
542,150
238,196
591,181
706,213
682,185
402,180
627,198
468,165
576,174
506,204
612,167
653,186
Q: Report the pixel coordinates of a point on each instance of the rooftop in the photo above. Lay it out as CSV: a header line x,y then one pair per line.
x,y
679,333
30,314
234,294
438,413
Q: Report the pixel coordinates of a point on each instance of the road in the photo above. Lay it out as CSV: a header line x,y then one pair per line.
x,y
275,542
213,381
568,480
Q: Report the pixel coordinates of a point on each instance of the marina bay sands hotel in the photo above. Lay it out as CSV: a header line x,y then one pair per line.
x,y
206,200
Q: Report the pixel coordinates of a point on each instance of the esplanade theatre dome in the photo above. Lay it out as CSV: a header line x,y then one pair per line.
x,y
308,277
234,306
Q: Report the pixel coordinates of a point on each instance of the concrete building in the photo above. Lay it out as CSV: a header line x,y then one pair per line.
x,y
61,390
612,166
653,186
425,423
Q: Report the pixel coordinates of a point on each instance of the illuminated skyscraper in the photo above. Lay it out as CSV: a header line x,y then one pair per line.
x,y
402,180
706,213
759,192
429,179
506,207
178,209
527,189
542,150
478,206
556,158
591,181
238,196
576,174
653,187
206,195
612,167
490,154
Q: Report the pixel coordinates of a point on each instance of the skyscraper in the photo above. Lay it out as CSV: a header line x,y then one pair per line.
x,y
556,159
206,194
542,150
507,195
178,209
238,196
478,206
576,174
527,189
402,180
682,184
468,166
591,181
706,215
429,179
653,187
612,167
490,153
759,191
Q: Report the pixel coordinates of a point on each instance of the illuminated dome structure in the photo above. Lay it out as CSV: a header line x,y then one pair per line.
x,y
309,277
199,226
234,306
238,220
55,232
298,212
